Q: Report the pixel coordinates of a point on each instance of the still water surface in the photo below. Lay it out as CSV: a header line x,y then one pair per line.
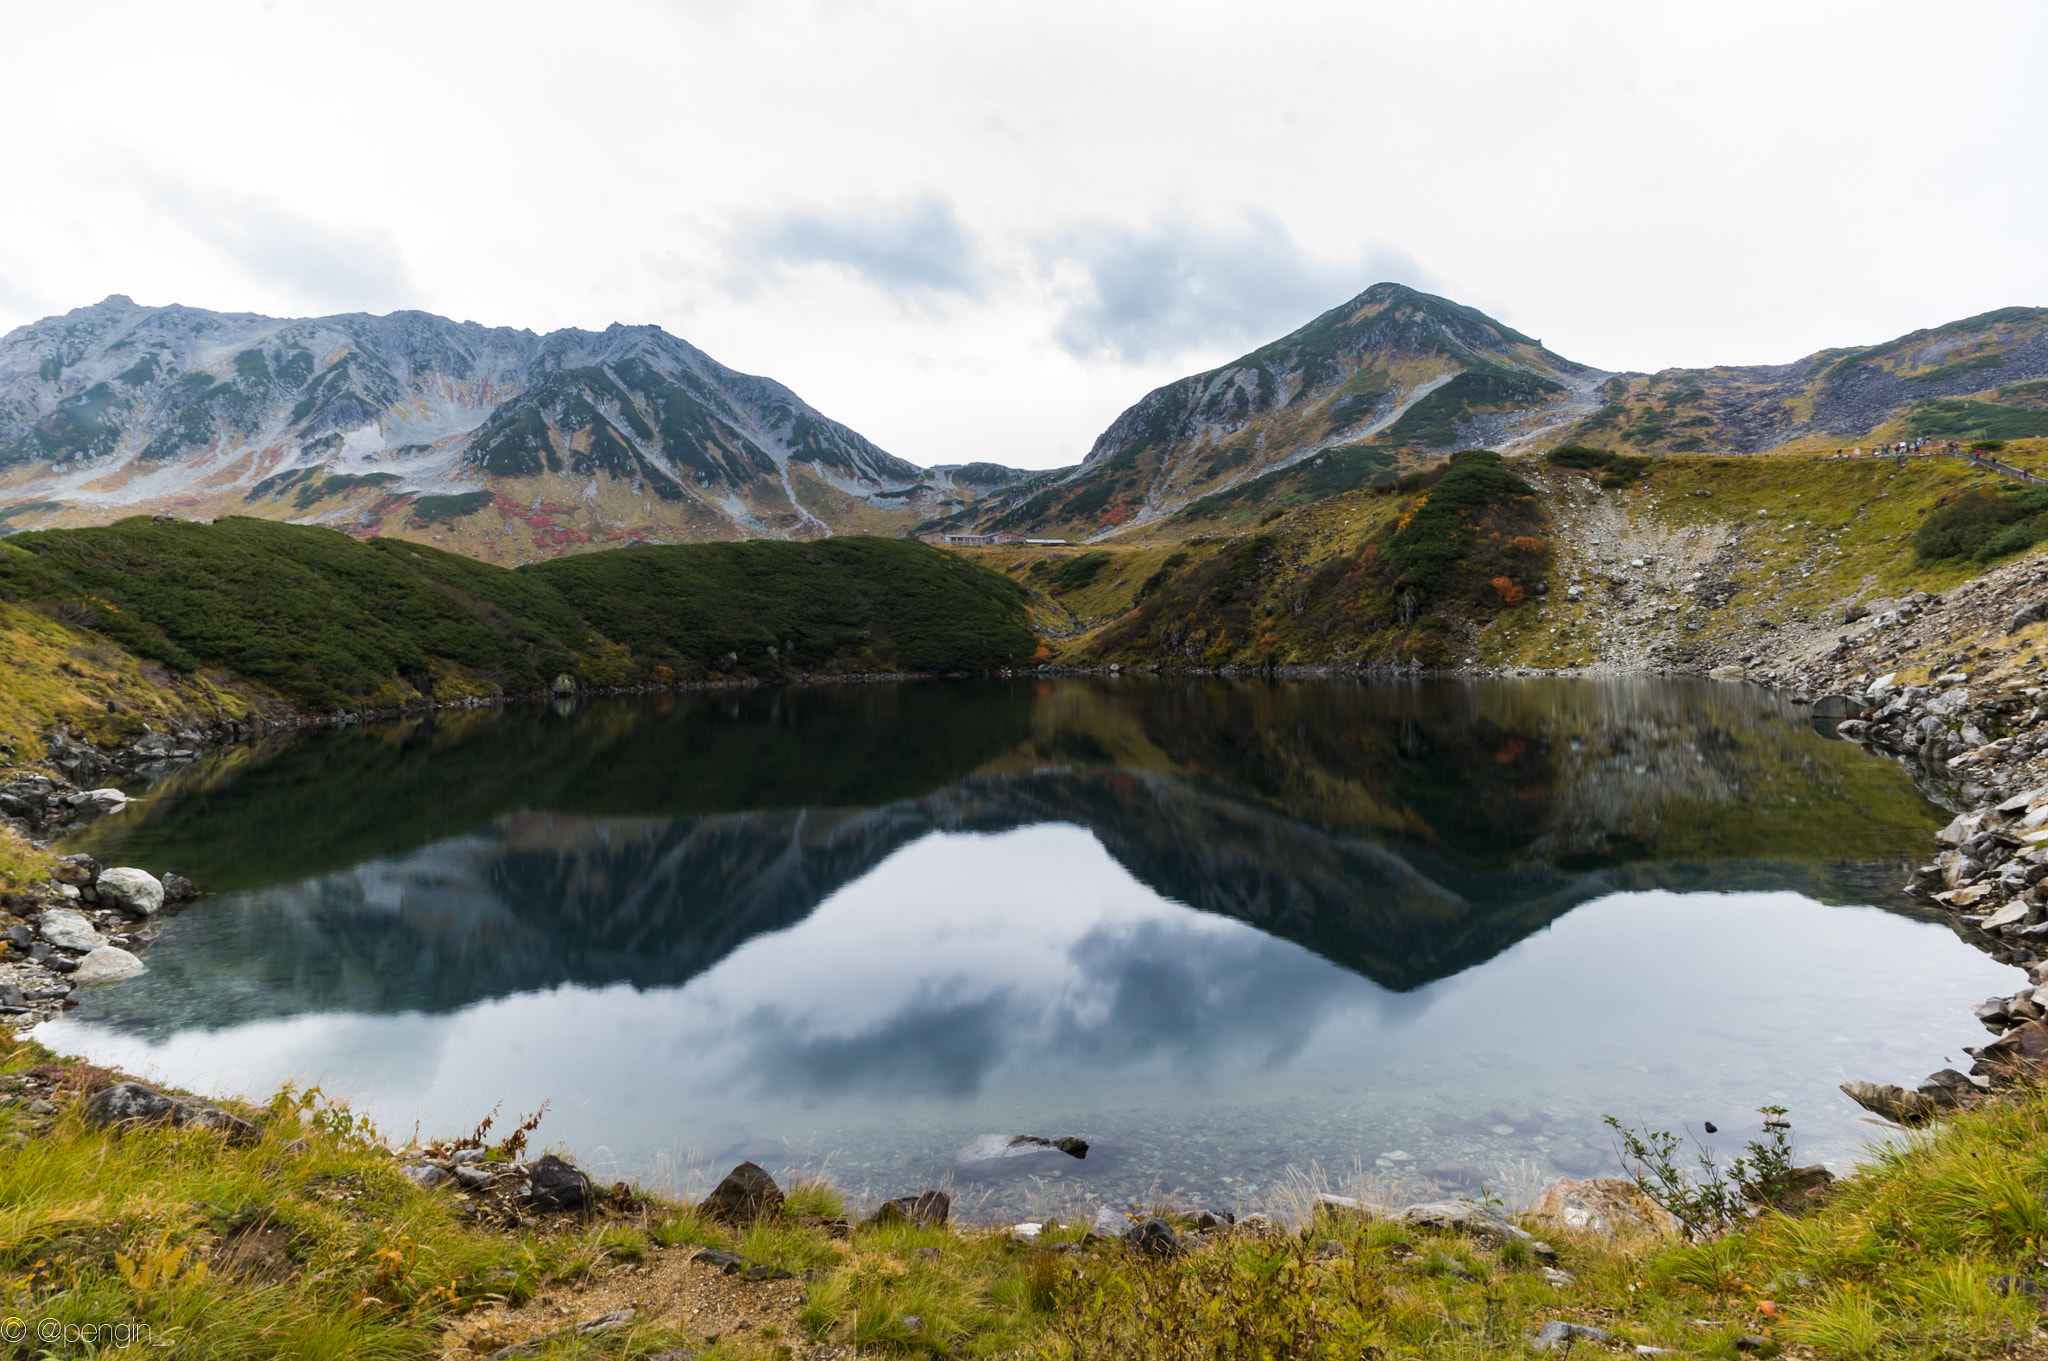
x,y
1227,931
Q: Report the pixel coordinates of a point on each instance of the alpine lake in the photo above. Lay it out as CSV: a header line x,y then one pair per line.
x,y
1242,937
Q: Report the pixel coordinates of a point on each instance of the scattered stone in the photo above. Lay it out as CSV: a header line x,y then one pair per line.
x,y
179,889
2008,1286
132,890
131,1103
766,1273
1456,1174
929,1208
1895,1104
1466,1217
747,1194
559,1186
428,1176
1579,1158
68,930
1835,706
76,870
1223,1219
107,964
1110,1222
1559,1336
729,1262
1950,1088
1563,1280
1156,1238
1329,1250
1606,1206
591,1327
2022,1053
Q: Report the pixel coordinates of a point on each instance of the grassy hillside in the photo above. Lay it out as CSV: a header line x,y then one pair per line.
x,y
1676,559
324,619
1438,550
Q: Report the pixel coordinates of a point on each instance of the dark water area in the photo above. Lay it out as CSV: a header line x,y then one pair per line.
x,y
1234,933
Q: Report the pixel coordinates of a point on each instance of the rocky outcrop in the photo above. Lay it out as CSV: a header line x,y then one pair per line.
x,y
128,1104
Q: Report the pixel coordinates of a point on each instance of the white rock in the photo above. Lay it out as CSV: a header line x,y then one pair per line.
x,y
1110,1222
2005,916
107,964
71,931
134,889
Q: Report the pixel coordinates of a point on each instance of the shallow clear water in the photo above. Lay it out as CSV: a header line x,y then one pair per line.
x,y
1231,933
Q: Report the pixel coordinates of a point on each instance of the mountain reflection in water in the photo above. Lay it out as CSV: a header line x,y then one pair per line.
x,y
525,865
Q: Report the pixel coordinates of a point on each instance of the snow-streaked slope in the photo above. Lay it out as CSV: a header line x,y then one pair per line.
x,y
631,432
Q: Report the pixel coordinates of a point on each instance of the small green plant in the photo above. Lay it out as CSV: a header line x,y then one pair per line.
x,y
1713,1200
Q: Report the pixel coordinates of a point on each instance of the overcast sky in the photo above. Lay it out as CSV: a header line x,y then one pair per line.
x,y
978,230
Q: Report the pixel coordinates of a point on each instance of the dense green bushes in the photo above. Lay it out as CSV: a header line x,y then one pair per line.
x,y
325,619
1472,501
1616,470
1984,525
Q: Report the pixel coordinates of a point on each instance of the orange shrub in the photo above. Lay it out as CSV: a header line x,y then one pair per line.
x,y
1510,594
1527,544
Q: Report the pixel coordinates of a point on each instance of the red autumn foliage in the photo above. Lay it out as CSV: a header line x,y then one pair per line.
x,y
1510,594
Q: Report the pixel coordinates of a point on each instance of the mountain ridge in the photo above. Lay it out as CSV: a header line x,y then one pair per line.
x,y
117,407
510,446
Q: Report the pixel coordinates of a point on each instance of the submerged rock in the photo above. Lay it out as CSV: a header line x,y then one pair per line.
x,y
1006,1155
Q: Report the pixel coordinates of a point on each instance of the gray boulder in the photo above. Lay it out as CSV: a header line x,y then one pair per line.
x,y
107,964
132,890
1835,706
68,930
1559,1336
427,1176
1110,1222
1466,1217
131,1103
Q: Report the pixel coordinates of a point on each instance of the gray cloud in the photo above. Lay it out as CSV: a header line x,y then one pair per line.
x,y
1181,286
327,267
917,250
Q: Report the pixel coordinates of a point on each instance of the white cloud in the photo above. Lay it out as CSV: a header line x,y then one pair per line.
x,y
913,251
324,267
984,230
1180,287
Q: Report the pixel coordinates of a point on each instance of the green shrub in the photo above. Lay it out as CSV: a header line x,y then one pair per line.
x,y
1983,524
1076,574
324,619
1431,545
